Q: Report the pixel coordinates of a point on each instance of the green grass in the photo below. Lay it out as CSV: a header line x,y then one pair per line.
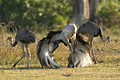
x,y
107,54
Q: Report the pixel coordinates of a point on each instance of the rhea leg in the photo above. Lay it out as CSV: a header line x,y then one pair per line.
x,y
92,49
28,55
22,46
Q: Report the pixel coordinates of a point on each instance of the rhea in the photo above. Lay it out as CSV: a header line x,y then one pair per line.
x,y
92,30
68,33
24,38
45,54
46,47
81,54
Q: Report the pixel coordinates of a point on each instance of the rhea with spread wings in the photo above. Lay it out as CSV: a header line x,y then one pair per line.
x,y
46,47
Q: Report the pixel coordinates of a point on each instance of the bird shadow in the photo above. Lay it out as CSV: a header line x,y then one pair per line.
x,y
25,68
4,68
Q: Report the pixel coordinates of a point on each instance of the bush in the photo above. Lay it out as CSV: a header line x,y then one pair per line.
x,y
109,12
33,13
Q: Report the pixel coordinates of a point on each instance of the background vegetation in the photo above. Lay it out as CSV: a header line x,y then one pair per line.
x,y
39,15
109,12
35,14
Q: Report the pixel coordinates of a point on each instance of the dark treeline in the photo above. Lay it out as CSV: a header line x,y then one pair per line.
x,y
50,14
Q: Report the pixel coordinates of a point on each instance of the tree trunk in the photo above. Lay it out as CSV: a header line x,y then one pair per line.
x,y
84,10
93,9
80,11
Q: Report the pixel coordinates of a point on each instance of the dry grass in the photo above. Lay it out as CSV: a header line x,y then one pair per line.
x,y
92,73
108,67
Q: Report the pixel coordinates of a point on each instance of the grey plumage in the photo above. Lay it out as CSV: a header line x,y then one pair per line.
x,y
92,30
68,33
24,37
46,47
81,54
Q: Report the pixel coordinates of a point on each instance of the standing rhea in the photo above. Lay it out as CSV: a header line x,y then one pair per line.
x,y
92,30
68,33
81,54
24,37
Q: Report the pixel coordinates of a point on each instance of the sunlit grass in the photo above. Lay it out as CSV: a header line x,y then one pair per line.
x,y
92,73
107,54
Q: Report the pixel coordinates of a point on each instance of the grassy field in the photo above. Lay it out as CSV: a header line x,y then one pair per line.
x,y
95,72
107,54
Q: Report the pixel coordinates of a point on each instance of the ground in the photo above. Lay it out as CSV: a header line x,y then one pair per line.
x,y
107,54
96,72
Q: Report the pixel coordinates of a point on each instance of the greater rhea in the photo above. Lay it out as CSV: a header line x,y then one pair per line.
x,y
81,54
24,38
92,30
46,47
68,33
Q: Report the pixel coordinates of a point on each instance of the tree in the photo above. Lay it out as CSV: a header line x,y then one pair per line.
x,y
84,10
35,14
93,9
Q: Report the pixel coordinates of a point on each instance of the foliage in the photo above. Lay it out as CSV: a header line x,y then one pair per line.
x,y
109,12
35,14
40,15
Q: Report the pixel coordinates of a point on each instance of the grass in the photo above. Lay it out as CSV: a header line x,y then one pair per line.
x,y
93,72
107,54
